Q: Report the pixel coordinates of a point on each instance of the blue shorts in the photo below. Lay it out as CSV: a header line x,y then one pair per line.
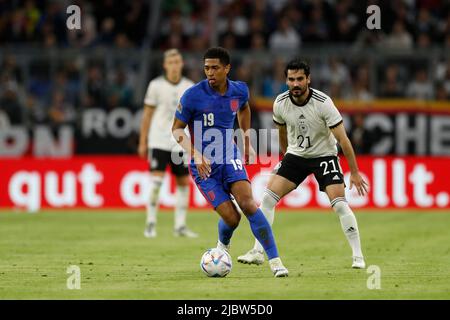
x,y
216,188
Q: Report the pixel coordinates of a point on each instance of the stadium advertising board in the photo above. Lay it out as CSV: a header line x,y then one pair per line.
x,y
30,184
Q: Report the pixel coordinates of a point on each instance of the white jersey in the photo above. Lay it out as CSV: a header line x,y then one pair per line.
x,y
308,125
164,96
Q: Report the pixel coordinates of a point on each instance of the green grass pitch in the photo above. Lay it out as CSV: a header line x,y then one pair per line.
x,y
411,249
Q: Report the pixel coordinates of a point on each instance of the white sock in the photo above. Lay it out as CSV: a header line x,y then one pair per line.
x,y
269,201
152,205
181,205
348,223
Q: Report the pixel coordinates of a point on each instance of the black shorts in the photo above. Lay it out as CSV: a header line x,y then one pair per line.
x,y
326,170
158,160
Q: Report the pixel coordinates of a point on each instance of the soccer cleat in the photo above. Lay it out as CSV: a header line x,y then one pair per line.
x,y
222,246
277,268
252,257
150,231
185,232
358,263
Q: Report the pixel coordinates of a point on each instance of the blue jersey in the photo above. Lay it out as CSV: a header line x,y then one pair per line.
x,y
210,118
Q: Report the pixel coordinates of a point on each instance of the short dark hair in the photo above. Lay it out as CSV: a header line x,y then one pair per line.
x,y
218,53
297,64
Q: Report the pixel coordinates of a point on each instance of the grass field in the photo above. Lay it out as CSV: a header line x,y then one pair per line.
x,y
412,250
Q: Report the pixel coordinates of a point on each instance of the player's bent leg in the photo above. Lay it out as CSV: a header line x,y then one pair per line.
x,y
277,188
336,194
228,222
156,179
181,205
259,225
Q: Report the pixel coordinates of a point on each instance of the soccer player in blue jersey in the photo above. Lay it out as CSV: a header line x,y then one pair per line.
x,y
209,109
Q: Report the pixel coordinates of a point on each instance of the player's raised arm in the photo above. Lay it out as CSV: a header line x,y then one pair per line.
x,y
147,116
355,178
244,120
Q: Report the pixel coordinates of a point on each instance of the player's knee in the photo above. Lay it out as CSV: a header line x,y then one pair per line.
x,y
269,200
248,205
233,220
341,207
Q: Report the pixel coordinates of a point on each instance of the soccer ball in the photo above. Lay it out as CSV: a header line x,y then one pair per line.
x,y
216,262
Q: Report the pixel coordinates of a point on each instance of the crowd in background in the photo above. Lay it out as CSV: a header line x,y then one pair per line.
x,y
35,92
240,24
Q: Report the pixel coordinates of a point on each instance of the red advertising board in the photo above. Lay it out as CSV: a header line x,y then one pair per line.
x,y
122,182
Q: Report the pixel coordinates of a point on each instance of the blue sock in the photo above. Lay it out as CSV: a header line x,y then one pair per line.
x,y
225,232
263,233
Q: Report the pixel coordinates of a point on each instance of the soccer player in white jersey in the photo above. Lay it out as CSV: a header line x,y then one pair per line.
x,y
309,126
156,141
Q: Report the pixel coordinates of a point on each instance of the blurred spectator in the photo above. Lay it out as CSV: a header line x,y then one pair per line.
x,y
360,85
446,79
32,15
421,87
334,74
243,73
423,41
442,94
9,66
336,91
317,29
135,21
35,111
121,89
172,32
234,21
344,31
443,29
399,38
285,38
16,26
425,23
40,84
263,11
275,83
344,22
368,39
359,136
106,35
277,5
447,42
9,102
95,88
441,69
228,41
257,42
54,23
391,86
198,44
122,41
60,111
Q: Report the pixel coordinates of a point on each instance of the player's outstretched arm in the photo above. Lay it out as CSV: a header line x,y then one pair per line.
x,y
355,178
244,119
202,163
147,116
